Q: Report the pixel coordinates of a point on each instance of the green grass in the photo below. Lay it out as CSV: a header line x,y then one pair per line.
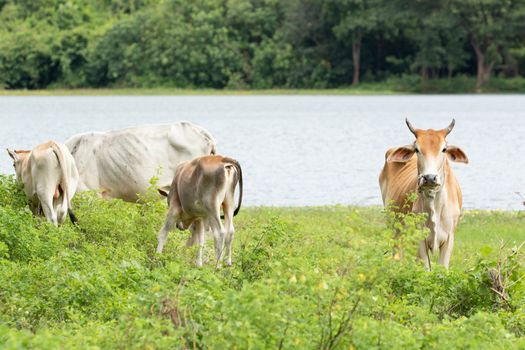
x,y
480,229
313,277
395,85
186,92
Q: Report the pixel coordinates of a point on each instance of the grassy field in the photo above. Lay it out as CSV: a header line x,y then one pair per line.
x,y
402,85
187,92
309,278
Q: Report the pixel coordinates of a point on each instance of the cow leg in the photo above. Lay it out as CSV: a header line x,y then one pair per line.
x,y
35,206
422,254
218,234
171,219
49,212
230,230
194,238
429,244
61,216
197,231
61,209
445,251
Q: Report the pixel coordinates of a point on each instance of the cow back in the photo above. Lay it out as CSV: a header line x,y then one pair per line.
x,y
124,161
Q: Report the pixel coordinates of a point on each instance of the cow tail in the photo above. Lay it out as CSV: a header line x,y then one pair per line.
x,y
65,175
72,215
239,172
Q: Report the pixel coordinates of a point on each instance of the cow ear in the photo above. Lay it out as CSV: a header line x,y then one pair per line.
x,y
455,154
13,155
401,154
162,192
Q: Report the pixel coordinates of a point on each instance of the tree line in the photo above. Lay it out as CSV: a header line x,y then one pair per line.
x,y
256,43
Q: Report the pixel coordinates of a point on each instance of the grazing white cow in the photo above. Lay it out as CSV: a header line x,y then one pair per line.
x,y
423,166
121,163
50,178
199,190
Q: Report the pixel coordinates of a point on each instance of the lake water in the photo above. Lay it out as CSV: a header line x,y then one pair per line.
x,y
304,150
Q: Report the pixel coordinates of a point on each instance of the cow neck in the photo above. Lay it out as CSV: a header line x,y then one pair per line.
x,y
432,204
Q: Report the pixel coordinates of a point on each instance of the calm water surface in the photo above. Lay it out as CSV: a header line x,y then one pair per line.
x,y
303,150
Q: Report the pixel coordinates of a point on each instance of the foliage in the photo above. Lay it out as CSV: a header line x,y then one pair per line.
x,y
302,278
257,43
26,61
405,229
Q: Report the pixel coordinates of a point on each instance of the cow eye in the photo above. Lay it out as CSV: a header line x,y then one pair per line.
x,y
417,150
444,150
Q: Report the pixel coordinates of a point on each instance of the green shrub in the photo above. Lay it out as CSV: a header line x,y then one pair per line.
x,y
26,60
314,278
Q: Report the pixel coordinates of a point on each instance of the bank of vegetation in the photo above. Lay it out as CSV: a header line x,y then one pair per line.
x,y
311,278
397,45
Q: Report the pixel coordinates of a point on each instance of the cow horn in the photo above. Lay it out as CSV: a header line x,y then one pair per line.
x,y
449,128
410,127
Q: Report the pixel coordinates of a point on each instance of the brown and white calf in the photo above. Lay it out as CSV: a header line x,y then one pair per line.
x,y
50,178
200,189
428,173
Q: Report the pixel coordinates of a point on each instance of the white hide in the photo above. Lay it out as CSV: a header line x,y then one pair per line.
x,y
121,163
50,179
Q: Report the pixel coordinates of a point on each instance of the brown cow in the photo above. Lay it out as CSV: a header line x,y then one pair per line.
x,y
200,188
428,173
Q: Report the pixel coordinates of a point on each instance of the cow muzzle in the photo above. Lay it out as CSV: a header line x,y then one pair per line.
x,y
429,182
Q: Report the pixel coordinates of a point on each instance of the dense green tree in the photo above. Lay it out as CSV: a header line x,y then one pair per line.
x,y
254,29
492,27
189,43
518,53
70,51
308,30
26,61
256,43
353,20
126,6
425,33
117,56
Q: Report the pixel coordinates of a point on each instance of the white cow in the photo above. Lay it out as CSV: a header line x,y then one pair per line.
x,y
121,163
50,179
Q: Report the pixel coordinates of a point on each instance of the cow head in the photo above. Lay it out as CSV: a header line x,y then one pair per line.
x,y
432,151
18,156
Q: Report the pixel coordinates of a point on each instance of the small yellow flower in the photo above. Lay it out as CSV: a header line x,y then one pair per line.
x,y
302,278
362,277
293,279
323,285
